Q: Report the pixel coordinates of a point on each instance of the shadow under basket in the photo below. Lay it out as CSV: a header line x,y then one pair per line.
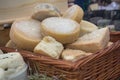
x,y
103,65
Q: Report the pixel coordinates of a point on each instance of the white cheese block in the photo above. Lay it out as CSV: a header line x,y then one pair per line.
x,y
25,33
2,74
73,55
45,10
62,29
87,27
1,51
92,42
11,63
11,44
75,12
49,46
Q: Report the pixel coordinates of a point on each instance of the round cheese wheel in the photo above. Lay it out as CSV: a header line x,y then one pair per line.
x,y
75,12
87,27
45,10
25,33
62,29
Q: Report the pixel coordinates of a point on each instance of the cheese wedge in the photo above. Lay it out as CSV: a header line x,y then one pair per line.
x,y
11,63
11,44
75,12
25,33
92,42
1,51
109,44
73,55
50,47
2,75
45,10
62,29
87,27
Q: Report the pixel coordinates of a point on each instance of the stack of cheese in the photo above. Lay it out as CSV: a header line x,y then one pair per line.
x,y
12,67
67,37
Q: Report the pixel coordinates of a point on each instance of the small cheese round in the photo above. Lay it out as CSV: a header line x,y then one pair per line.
x,y
62,29
25,33
45,10
75,12
87,27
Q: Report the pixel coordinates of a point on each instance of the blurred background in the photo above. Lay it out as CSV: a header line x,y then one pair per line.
x,y
101,12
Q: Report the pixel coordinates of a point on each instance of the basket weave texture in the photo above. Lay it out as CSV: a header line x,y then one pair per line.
x,y
103,65
115,36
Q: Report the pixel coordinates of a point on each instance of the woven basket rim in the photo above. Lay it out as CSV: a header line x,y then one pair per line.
x,y
62,64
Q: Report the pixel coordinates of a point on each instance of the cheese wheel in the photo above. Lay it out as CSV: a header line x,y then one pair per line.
x,y
25,33
62,29
87,27
11,63
2,74
45,10
75,12
93,41
49,46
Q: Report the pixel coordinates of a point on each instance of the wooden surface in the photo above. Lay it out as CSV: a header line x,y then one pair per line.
x,y
4,36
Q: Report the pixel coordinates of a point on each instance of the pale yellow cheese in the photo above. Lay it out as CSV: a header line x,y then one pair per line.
x,y
75,12
49,46
62,29
25,33
87,27
45,10
92,42
73,55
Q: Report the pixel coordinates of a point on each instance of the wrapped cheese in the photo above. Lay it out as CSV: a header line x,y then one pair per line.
x,y
45,10
2,74
75,12
25,33
62,29
13,66
92,42
49,46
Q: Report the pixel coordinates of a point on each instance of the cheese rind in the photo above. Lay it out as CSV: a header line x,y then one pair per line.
x,y
92,42
87,27
25,33
73,55
45,10
62,29
50,47
75,12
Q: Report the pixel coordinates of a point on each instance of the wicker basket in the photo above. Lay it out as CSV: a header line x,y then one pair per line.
x,y
115,36
103,65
